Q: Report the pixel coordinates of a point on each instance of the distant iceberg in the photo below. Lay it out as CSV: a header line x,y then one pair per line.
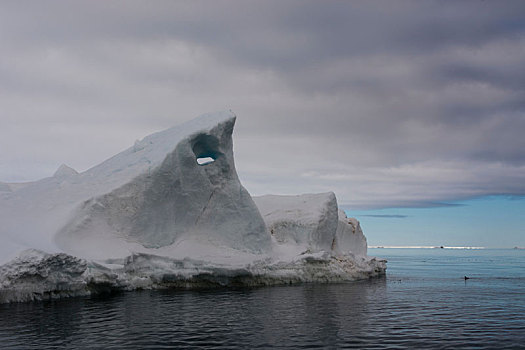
x,y
170,212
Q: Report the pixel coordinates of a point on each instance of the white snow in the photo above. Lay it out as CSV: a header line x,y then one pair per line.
x,y
169,211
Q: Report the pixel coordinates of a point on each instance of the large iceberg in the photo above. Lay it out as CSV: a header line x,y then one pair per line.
x,y
170,211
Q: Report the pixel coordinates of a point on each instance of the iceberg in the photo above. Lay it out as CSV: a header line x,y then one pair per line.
x,y
170,212
312,222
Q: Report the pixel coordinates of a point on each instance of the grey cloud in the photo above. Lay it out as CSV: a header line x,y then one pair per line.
x,y
386,216
387,103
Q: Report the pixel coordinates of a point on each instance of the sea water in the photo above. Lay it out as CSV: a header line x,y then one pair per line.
x,y
423,302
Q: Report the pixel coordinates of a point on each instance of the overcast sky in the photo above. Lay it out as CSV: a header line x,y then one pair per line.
x,y
387,103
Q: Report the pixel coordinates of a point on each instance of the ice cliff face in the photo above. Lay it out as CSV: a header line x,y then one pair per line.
x,y
38,275
312,222
169,212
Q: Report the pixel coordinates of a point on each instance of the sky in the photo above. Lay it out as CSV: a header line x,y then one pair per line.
x,y
409,111
490,222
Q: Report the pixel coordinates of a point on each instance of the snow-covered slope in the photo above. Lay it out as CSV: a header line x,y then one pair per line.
x,y
169,211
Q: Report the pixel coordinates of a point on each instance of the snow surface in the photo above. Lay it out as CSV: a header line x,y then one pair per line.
x,y
153,216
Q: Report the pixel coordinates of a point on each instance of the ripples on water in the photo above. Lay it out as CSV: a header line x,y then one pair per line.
x,y
424,302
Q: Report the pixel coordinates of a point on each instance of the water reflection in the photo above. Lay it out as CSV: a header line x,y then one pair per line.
x,y
312,315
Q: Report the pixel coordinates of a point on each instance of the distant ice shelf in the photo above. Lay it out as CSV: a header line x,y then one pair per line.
x,y
170,212
422,247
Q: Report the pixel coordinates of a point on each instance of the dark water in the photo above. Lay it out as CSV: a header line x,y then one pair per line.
x,y
424,302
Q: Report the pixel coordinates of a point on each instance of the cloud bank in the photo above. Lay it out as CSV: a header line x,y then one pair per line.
x,y
389,103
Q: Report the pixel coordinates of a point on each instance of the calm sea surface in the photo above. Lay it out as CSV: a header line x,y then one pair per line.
x,y
424,302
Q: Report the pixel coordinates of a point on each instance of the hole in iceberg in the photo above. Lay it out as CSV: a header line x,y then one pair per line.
x,y
205,160
206,149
